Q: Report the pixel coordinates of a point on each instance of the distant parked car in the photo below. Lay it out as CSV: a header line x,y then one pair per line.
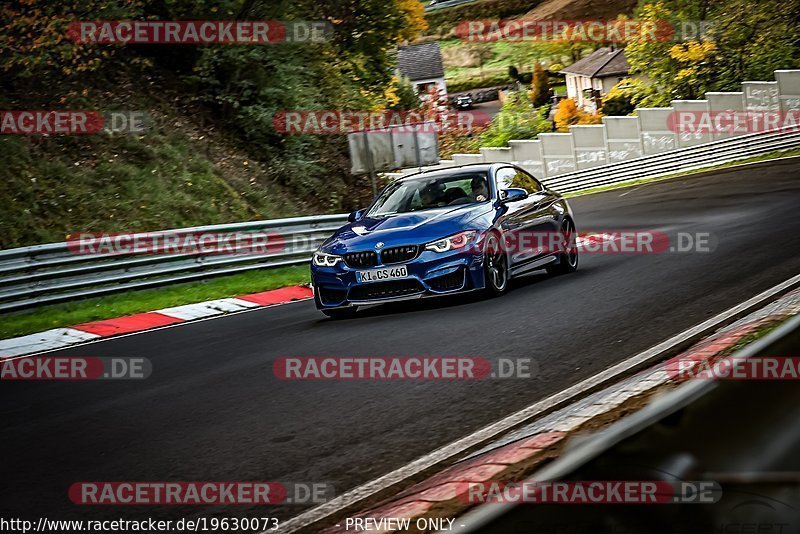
x,y
463,101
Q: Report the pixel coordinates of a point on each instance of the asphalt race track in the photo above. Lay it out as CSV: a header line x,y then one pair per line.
x,y
213,411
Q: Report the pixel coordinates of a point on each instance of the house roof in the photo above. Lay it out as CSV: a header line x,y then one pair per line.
x,y
601,63
420,61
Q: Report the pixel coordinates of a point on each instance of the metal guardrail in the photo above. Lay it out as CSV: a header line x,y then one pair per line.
x,y
703,440
45,274
51,273
679,160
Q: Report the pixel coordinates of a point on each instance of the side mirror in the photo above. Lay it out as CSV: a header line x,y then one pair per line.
x,y
356,215
512,194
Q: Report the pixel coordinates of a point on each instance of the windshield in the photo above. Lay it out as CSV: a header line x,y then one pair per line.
x,y
432,192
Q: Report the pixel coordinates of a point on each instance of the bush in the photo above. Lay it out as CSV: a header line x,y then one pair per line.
x,y
629,94
456,142
568,114
518,119
466,83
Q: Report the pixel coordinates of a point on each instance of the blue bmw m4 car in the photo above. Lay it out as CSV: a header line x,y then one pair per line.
x,y
440,232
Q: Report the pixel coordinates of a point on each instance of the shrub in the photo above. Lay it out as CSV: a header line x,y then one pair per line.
x,y
540,86
518,119
568,114
467,83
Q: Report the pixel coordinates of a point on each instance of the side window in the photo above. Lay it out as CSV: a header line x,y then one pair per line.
x,y
505,177
526,181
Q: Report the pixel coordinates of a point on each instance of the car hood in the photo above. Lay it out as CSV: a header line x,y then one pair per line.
x,y
415,228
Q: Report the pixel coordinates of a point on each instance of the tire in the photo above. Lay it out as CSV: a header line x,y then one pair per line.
x,y
335,313
495,267
567,260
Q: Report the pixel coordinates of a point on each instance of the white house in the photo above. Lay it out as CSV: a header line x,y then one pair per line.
x,y
594,76
422,64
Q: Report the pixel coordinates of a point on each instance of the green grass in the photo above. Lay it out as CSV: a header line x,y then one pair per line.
x,y
503,54
754,159
117,305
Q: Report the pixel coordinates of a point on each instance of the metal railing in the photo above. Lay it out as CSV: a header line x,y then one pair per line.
x,y
678,160
45,274
56,272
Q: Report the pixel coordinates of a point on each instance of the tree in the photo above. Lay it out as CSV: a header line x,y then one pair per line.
x,y
567,114
540,92
627,95
745,41
415,19
401,95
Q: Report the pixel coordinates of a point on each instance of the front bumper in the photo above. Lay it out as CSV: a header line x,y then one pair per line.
x,y
429,274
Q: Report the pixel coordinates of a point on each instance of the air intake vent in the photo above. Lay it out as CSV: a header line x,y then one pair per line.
x,y
361,259
399,254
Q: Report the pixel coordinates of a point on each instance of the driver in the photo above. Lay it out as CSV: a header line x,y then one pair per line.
x,y
480,192
429,196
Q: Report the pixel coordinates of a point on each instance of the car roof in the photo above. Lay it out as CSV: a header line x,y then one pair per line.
x,y
487,167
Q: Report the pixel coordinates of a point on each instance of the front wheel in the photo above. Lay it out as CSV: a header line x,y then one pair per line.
x,y
568,259
495,266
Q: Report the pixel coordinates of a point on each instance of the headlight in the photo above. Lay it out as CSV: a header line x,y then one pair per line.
x,y
459,240
322,259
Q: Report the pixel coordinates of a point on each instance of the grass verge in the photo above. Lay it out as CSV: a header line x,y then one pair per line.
x,y
110,306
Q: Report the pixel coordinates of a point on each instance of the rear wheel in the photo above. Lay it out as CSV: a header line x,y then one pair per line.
x,y
568,259
495,264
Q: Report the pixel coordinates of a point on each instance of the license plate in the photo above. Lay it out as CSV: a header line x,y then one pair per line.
x,y
387,273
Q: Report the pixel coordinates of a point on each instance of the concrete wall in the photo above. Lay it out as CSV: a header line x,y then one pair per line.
x,y
589,145
623,138
650,131
732,105
557,153
695,132
528,155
